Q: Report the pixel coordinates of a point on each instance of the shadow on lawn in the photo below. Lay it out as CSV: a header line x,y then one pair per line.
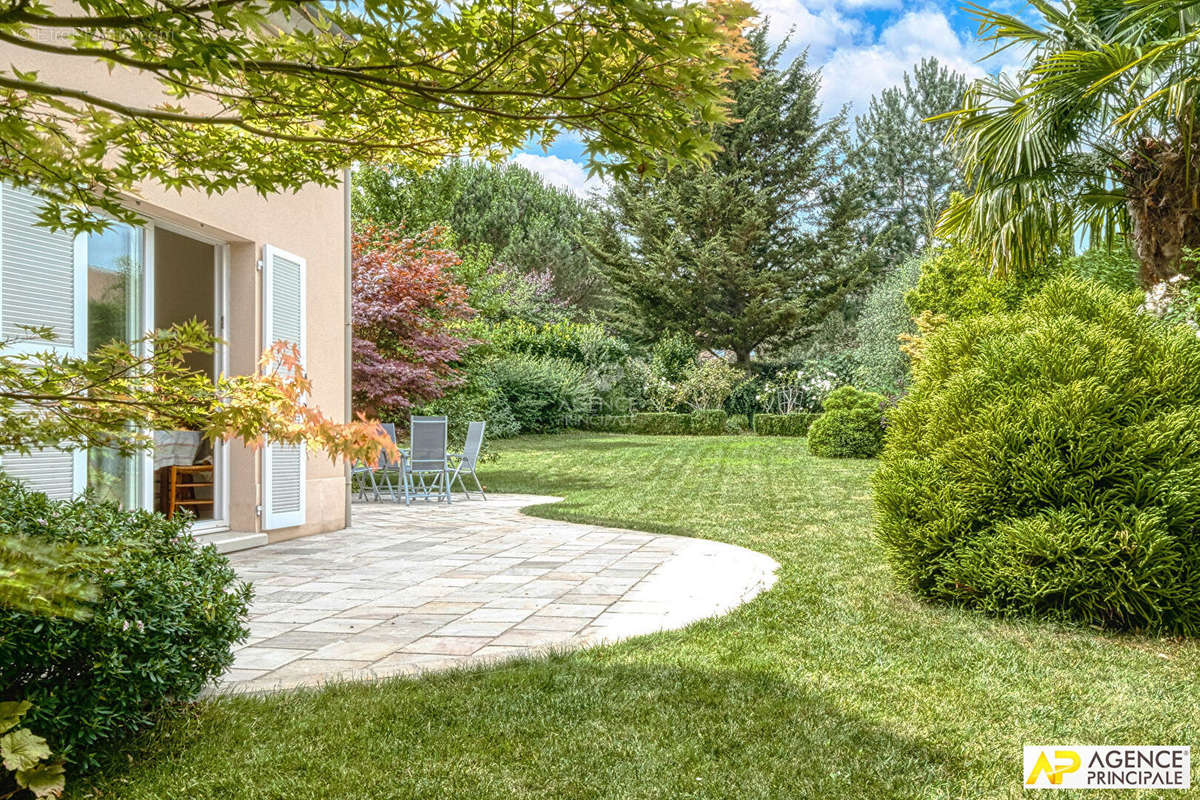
x,y
564,727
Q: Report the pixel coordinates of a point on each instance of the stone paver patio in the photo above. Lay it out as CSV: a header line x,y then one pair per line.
x,y
427,587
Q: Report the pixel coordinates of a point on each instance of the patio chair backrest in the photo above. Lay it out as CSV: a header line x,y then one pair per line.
x,y
385,462
474,444
428,443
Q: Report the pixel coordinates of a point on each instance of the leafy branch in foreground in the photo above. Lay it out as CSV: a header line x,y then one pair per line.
x,y
26,756
119,393
276,94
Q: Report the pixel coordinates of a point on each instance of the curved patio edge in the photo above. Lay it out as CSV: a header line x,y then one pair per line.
x,y
407,590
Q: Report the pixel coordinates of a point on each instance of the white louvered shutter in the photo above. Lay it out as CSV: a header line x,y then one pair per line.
x,y
283,320
43,278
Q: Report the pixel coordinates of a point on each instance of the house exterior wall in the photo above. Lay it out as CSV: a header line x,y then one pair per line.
x,y
310,223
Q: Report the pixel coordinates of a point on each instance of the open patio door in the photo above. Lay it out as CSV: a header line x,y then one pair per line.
x,y
283,320
43,279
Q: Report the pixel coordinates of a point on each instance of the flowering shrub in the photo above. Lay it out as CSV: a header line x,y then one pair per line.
x,y
162,626
799,390
1175,300
708,385
404,301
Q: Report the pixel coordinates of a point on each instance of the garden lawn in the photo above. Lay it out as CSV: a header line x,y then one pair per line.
x,y
833,684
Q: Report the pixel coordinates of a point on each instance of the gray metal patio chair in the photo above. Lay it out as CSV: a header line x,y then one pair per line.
x,y
426,458
378,477
468,458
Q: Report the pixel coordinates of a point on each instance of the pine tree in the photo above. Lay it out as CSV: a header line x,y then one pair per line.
x,y
756,248
905,159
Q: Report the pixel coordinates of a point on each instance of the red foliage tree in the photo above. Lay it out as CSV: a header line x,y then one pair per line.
x,y
404,300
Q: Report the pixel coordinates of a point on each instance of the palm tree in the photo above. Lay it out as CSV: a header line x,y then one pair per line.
x,y
1093,140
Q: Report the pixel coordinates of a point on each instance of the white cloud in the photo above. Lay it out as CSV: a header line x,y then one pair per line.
x,y
854,74
816,26
561,172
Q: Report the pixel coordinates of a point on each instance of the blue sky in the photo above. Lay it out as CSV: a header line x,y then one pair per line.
x,y
863,46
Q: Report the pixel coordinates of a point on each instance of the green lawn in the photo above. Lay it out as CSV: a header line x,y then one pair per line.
x,y
834,684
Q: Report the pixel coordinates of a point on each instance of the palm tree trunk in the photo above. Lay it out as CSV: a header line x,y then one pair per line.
x,y
1162,185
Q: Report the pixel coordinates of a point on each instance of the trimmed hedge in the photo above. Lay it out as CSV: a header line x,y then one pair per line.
x,y
1046,463
851,427
783,424
710,422
168,614
664,423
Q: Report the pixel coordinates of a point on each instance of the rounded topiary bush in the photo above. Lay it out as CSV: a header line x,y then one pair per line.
x,y
851,427
167,615
1047,462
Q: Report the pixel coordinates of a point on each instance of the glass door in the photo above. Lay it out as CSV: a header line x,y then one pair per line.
x,y
116,311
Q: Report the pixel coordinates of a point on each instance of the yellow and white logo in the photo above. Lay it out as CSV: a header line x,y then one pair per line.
x,y
1107,767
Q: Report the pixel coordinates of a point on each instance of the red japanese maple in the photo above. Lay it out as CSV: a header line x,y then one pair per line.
x,y
405,301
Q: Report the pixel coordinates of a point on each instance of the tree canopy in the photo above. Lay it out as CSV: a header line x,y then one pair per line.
x,y
405,302
276,94
527,225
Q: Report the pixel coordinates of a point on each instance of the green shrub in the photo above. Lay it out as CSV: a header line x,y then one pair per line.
x,y
708,385
167,616
744,398
879,364
847,398
709,422
957,285
1116,268
851,427
608,423
581,343
783,424
662,423
673,357
476,400
737,423
1046,462
544,394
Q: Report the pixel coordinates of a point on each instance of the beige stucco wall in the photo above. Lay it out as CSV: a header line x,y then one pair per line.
x,y
309,223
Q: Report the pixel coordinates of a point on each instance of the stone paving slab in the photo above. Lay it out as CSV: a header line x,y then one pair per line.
x,y
430,586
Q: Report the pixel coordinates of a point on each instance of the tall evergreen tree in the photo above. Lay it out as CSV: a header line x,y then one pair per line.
x,y
529,226
756,248
905,159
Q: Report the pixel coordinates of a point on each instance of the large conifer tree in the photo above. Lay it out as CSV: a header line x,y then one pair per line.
x,y
757,247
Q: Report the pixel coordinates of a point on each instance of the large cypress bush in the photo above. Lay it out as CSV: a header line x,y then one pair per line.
x,y
163,626
1047,462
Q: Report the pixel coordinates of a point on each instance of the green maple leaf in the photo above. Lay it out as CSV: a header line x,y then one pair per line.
x,y
11,712
22,749
44,780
